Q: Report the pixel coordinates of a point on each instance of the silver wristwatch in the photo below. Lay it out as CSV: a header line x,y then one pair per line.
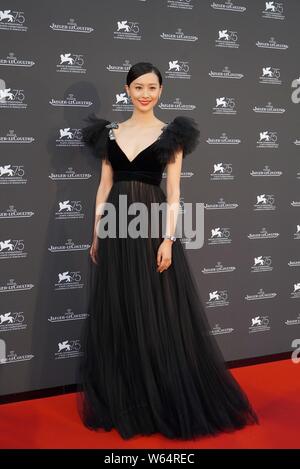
x,y
172,238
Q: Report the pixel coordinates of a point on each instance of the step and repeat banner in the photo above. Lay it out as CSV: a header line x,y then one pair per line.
x,y
233,66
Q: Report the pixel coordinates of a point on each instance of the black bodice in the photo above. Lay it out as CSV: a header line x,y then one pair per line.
x,y
145,166
181,133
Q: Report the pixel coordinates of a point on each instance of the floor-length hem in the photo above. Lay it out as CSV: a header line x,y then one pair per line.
x,y
139,422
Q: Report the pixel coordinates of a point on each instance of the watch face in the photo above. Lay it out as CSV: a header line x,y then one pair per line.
x,y
172,238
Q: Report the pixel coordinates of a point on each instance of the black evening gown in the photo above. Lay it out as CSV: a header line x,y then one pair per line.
x,y
150,364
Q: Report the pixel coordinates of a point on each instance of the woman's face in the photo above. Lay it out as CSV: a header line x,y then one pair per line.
x,y
144,91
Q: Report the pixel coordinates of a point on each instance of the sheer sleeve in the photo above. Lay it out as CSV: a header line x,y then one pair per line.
x,y
181,133
95,135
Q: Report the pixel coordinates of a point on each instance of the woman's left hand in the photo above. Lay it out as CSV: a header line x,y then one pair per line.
x,y
164,255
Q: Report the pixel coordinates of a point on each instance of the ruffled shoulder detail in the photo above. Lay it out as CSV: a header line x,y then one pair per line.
x,y
181,133
95,135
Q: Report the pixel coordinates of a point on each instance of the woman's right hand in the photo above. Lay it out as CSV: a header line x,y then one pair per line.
x,y
94,249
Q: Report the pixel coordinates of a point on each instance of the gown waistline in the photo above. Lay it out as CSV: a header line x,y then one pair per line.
x,y
143,176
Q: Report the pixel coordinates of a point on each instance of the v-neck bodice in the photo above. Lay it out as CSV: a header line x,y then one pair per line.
x,y
181,133
144,166
112,136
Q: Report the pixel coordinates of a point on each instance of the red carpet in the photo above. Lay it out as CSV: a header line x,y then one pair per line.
x,y
273,388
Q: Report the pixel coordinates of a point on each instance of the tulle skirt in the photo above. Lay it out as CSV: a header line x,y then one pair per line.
x,y
150,364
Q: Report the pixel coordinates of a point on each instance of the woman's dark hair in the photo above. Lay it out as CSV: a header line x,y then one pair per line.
x,y
139,69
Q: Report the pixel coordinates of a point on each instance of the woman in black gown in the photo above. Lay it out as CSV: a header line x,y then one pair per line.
x,y
150,364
